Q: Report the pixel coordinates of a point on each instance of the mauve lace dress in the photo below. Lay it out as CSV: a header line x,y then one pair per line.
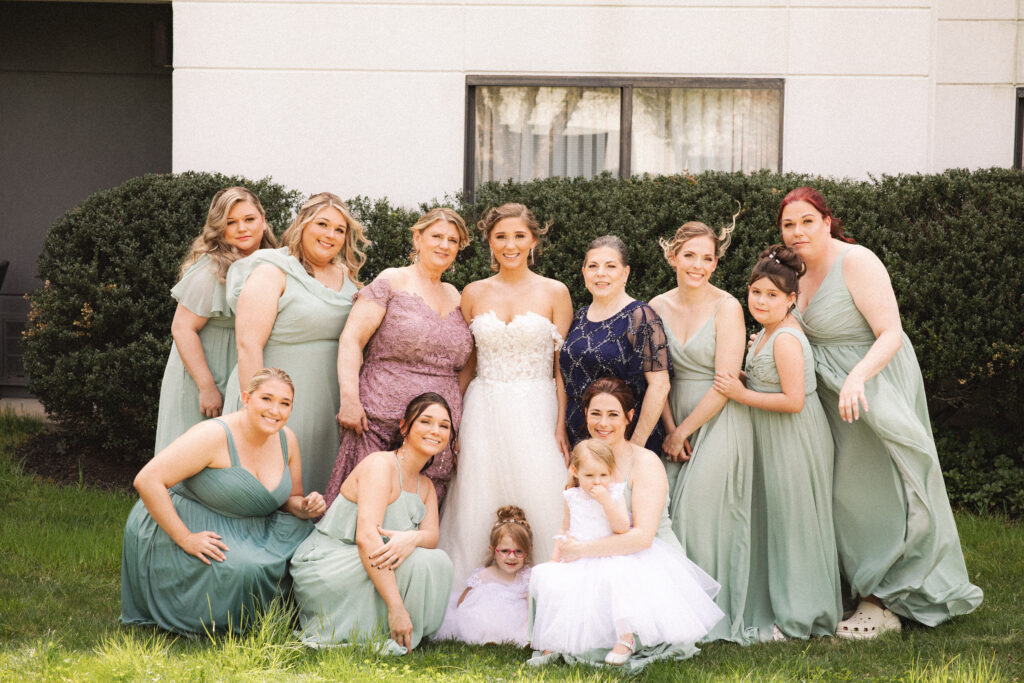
x,y
414,350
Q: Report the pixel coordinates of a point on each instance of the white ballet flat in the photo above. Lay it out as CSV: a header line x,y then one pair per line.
x,y
615,659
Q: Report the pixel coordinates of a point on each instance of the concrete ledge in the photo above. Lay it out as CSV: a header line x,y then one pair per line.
x,y
24,406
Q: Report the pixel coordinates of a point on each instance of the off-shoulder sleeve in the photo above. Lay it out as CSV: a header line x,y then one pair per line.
x,y
379,292
647,334
201,292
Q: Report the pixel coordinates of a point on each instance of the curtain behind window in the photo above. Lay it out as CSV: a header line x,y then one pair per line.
x,y
523,133
690,129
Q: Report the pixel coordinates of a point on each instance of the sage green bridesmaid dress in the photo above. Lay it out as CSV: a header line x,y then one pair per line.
x,y
203,294
894,527
338,602
715,507
161,584
795,452
303,343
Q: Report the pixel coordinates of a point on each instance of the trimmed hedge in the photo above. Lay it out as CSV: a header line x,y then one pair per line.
x,y
98,333
951,243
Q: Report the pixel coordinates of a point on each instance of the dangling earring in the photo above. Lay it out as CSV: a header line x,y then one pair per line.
x,y
532,259
494,261
416,257
451,268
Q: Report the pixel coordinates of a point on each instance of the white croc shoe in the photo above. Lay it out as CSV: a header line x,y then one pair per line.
x,y
867,622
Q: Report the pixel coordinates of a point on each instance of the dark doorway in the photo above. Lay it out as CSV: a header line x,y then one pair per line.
x,y
85,104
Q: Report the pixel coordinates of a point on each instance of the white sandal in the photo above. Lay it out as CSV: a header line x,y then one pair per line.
x,y
867,622
616,659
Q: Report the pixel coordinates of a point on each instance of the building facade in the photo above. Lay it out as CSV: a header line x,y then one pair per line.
x,y
416,99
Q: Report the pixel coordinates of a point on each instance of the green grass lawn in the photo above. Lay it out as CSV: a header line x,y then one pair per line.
x,y
60,553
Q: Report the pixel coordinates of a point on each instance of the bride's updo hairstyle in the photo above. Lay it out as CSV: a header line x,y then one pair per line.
x,y
782,265
513,210
512,523
594,448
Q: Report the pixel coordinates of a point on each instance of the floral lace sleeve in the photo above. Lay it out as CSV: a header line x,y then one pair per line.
x,y
474,579
647,335
379,292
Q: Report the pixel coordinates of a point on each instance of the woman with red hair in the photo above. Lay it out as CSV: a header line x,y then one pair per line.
x,y
898,545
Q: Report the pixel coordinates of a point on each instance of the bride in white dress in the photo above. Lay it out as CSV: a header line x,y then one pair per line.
x,y
513,447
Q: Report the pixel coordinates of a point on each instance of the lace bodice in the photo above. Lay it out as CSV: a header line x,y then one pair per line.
x,y
519,350
587,519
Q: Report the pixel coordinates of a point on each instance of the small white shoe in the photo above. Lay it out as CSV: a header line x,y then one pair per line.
x,y
616,659
867,622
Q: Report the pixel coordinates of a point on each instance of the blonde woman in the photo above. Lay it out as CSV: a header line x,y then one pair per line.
x,y
203,328
406,336
291,305
221,511
715,507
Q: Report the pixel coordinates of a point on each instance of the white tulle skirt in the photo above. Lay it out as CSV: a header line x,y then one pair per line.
x,y
656,594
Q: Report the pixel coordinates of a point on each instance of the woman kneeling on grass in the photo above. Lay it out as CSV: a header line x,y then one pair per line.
x,y
373,558
221,513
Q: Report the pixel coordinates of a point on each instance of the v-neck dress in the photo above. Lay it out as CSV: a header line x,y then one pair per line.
x,y
203,294
161,584
338,602
894,527
716,509
414,350
794,451
304,343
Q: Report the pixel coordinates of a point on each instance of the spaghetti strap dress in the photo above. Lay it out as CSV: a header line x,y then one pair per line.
x,y
161,584
895,531
303,343
203,294
715,507
795,453
338,602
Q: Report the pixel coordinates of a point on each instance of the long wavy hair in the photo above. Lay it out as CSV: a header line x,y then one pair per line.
x,y
211,237
351,256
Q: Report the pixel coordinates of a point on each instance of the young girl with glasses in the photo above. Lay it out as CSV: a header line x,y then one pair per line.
x,y
493,607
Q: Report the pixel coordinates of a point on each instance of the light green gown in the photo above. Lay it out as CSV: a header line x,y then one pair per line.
x,y
161,584
303,343
795,452
894,527
716,509
338,602
202,293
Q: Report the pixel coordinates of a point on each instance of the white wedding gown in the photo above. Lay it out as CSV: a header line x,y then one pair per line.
x,y
508,454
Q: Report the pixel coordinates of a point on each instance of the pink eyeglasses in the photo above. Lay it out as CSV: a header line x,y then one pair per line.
x,y
514,552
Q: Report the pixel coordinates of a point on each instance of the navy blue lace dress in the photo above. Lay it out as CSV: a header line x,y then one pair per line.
x,y
625,345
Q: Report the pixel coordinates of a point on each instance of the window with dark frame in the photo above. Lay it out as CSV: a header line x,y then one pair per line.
x,y
1018,133
523,128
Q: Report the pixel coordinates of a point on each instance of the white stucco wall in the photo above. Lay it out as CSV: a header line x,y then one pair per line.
x,y
369,97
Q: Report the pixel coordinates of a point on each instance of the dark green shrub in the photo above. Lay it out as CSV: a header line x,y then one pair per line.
x,y
951,243
99,329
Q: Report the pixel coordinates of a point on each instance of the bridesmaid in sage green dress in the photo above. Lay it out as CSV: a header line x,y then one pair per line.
x,y
716,509
203,353
793,444
371,568
291,305
899,550
206,549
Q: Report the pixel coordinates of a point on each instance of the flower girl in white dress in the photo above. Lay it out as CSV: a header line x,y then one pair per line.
x,y
652,596
493,608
